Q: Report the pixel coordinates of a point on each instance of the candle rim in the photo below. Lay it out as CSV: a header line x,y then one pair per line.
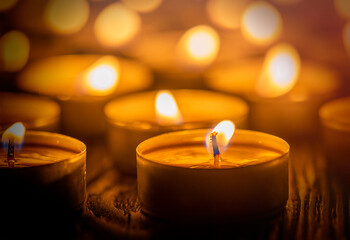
x,y
328,114
37,135
203,132
25,78
307,67
112,117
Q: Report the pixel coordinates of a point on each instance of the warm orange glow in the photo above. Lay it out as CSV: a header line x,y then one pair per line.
x,y
342,7
14,133
261,23
66,16
101,78
280,71
167,111
346,37
14,50
224,130
226,13
286,2
143,5
7,4
116,25
199,46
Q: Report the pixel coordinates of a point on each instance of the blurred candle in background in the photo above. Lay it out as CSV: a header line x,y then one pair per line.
x,y
284,92
83,84
35,112
116,25
14,51
261,23
66,16
346,38
335,119
198,47
226,13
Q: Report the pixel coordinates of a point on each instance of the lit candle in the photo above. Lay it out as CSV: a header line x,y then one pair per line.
x,y
83,84
132,119
284,92
43,174
36,113
335,119
183,65
232,180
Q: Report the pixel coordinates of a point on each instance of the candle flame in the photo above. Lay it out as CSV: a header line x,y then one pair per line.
x,y
14,133
280,71
102,77
199,46
261,23
223,133
167,111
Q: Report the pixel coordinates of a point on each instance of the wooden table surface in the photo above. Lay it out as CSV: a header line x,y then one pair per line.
x,y
317,208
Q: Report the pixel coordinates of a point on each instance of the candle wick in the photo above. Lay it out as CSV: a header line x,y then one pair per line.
x,y
11,153
216,152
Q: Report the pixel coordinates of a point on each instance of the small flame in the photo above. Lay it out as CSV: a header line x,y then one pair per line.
x,y
280,71
102,77
167,111
261,23
224,130
199,46
14,133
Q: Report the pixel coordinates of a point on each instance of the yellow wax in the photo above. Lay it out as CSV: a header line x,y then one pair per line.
x,y
196,156
36,155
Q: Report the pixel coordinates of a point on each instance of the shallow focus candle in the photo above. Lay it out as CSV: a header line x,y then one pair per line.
x,y
134,118
181,66
335,119
36,113
179,180
83,84
284,92
43,177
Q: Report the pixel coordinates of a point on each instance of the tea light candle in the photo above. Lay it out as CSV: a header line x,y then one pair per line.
x,y
179,180
181,66
36,113
134,118
83,84
284,92
335,119
45,177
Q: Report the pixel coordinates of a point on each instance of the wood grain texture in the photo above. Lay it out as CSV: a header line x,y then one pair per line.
x,y
317,208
